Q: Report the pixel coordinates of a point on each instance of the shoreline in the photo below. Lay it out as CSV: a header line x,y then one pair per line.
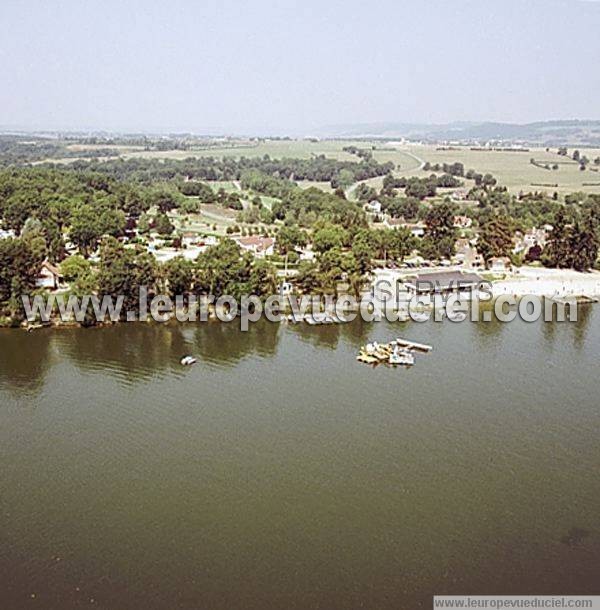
x,y
522,282
519,282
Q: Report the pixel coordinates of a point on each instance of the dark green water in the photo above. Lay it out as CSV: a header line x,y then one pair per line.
x,y
279,473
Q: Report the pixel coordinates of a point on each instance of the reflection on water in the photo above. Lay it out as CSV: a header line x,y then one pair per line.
x,y
130,351
330,335
280,473
24,359
134,352
488,332
584,316
225,344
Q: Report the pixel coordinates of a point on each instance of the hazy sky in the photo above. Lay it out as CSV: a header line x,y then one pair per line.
x,y
274,67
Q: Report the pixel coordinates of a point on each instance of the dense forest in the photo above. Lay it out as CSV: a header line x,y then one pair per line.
x,y
317,168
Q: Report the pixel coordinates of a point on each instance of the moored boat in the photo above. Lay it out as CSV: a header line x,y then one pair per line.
x,y
396,352
401,357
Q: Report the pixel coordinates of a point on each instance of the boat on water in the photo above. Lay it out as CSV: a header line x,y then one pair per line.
x,y
319,318
366,358
402,357
188,360
396,352
377,350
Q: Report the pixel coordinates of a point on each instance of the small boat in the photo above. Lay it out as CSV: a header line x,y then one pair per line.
x,y
382,353
402,357
319,318
32,327
366,358
188,360
396,352
371,347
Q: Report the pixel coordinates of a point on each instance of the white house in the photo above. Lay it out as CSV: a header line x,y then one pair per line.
x,y
533,237
374,207
467,255
49,276
306,254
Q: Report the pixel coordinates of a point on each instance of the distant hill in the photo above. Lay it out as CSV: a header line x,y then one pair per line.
x,y
548,133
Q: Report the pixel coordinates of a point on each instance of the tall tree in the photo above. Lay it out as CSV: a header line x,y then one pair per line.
x,y
558,249
495,236
584,243
363,248
123,271
290,237
179,276
85,229
440,234
20,261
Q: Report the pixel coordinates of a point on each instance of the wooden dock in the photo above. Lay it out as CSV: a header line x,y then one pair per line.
x,y
421,347
396,352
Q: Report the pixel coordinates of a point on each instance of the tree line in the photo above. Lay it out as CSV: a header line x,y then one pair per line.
x,y
317,168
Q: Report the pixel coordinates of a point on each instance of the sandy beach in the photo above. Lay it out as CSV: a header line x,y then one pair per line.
x,y
549,282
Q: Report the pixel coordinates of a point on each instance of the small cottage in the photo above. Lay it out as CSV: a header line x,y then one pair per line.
x,y
49,276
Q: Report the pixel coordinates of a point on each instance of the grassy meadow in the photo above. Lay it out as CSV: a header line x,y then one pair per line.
x,y
512,169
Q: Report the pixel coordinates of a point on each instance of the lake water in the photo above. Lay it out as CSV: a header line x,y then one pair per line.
x,y
279,473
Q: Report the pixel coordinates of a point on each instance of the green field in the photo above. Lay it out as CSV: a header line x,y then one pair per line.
x,y
512,169
302,149
212,220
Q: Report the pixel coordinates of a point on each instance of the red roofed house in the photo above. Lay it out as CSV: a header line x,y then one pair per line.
x,y
257,244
